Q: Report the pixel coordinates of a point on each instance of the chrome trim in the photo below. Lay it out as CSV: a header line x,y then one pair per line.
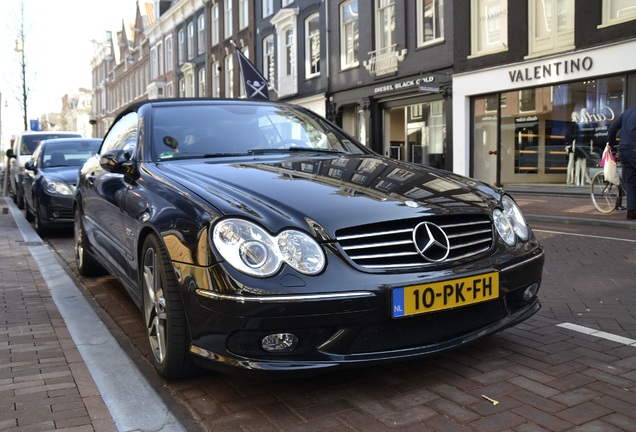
x,y
468,255
388,249
469,233
465,224
373,256
282,298
541,255
374,234
376,245
398,266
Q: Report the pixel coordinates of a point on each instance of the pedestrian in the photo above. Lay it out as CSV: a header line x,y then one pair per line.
x,y
626,124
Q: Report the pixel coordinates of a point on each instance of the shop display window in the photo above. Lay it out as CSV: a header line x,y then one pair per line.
x,y
530,138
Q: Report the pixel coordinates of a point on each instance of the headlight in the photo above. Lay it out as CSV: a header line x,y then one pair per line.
x,y
250,249
510,222
57,187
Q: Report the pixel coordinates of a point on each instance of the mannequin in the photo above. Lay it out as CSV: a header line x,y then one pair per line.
x,y
570,149
570,153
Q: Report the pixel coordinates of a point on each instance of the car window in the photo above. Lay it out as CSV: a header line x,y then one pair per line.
x,y
29,143
36,157
123,134
233,129
69,155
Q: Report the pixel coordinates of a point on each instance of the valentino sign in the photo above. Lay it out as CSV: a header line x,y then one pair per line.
x,y
553,69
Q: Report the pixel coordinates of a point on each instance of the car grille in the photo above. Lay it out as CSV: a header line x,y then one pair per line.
x,y
390,245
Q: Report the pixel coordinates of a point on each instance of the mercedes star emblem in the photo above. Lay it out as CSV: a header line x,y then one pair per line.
x,y
431,242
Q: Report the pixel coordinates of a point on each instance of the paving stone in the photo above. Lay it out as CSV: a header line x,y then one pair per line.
x,y
585,412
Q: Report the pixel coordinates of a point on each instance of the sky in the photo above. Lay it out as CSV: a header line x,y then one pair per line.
x,y
58,49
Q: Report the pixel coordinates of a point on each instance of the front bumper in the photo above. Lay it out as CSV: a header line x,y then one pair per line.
x,y
345,328
56,210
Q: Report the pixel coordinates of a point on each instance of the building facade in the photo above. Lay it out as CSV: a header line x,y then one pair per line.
x,y
498,90
120,69
390,76
292,50
534,80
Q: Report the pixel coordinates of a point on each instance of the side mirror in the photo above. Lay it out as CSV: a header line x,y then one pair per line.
x,y
30,165
115,161
10,153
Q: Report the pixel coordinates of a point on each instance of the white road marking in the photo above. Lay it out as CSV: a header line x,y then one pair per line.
x,y
585,235
598,333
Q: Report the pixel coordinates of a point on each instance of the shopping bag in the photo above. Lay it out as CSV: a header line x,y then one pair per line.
x,y
608,162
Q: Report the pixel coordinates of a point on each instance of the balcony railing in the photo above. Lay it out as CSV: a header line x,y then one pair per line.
x,y
384,61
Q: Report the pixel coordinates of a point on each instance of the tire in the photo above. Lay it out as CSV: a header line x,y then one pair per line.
x,y
20,199
163,313
605,195
14,197
86,264
27,213
37,219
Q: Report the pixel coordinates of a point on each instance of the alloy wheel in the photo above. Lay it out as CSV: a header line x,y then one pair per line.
x,y
155,312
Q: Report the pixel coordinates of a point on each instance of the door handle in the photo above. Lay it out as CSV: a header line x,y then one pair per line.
x,y
492,152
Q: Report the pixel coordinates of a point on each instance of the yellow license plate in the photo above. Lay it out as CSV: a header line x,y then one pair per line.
x,y
435,296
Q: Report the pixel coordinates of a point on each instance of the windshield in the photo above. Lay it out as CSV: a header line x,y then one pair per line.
x,y
187,131
30,142
72,154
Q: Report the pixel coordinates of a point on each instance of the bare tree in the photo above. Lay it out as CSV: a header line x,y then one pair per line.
x,y
19,47
16,27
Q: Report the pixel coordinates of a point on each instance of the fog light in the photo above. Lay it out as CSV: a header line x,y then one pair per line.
x,y
279,342
530,292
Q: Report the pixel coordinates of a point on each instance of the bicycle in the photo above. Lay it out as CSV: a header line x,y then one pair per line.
x,y
606,196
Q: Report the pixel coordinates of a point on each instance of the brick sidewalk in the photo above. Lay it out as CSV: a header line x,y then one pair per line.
x,y
44,382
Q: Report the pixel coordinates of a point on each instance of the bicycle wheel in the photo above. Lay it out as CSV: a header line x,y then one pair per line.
x,y
604,194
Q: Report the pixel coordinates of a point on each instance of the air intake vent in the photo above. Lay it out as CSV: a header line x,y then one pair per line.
x,y
391,245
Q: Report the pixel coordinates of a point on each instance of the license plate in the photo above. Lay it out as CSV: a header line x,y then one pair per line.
x,y
435,296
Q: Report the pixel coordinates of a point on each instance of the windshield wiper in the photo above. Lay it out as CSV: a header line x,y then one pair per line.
x,y
184,156
216,155
292,149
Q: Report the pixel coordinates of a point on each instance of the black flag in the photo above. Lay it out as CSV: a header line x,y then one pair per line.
x,y
255,83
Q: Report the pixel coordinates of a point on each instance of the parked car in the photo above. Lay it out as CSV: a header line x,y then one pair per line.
x,y
50,178
23,147
258,237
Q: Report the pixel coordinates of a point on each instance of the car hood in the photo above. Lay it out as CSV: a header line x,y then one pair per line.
x,y
332,191
65,174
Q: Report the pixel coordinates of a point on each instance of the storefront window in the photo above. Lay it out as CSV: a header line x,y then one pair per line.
x,y
418,133
552,134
